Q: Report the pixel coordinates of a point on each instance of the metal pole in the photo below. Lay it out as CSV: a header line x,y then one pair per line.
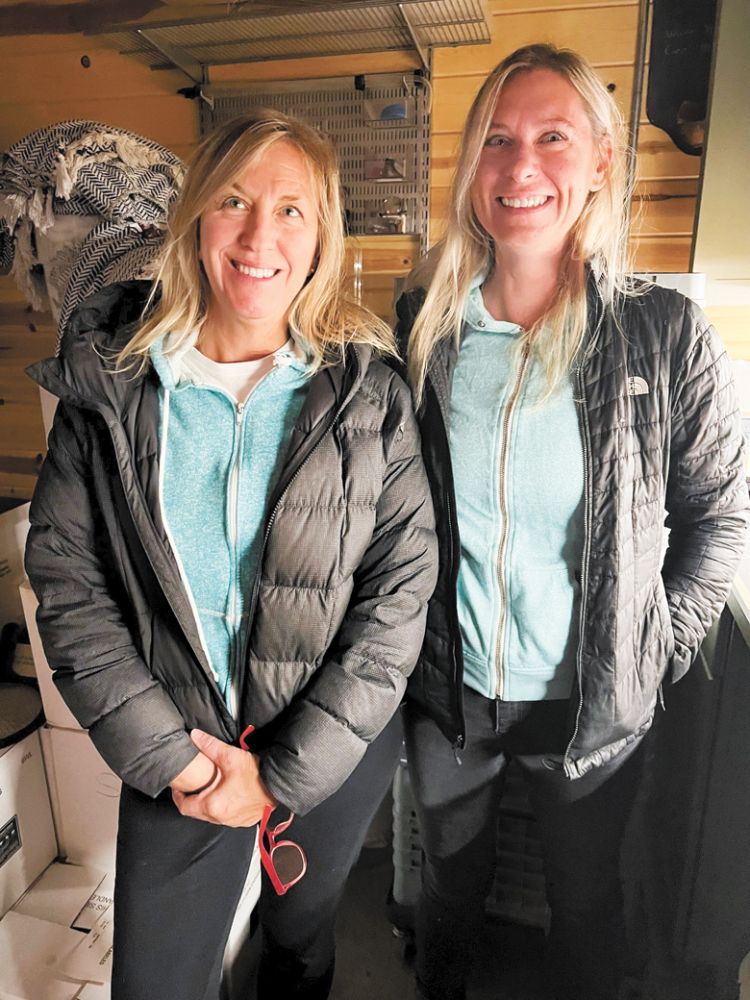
x,y
637,96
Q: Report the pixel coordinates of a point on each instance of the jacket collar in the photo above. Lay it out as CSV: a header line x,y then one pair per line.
x,y
83,376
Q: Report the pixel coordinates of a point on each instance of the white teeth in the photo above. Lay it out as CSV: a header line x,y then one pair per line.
x,y
255,272
524,202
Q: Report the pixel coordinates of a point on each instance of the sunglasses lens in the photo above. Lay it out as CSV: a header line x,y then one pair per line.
x,y
289,862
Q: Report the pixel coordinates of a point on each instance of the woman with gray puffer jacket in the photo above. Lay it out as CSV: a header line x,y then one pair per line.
x,y
232,541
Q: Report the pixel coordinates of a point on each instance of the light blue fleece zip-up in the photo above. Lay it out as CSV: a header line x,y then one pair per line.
x,y
219,462
518,473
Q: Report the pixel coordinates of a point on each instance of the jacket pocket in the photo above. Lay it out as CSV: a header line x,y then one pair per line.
x,y
665,618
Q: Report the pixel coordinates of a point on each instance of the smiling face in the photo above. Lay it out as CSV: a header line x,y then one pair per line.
x,y
258,240
539,163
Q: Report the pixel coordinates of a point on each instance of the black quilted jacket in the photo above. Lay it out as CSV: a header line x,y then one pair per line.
x,y
338,609
661,434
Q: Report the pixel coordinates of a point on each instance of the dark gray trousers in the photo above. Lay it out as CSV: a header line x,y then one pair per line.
x,y
581,824
179,880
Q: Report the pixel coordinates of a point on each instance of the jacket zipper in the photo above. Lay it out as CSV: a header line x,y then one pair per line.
x,y
234,529
503,502
272,518
587,505
234,537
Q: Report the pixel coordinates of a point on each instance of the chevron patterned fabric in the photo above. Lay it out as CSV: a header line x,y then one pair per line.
x,y
121,185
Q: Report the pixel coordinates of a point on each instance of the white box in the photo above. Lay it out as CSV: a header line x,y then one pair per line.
x,y
55,709
27,833
61,893
72,897
85,796
30,950
14,527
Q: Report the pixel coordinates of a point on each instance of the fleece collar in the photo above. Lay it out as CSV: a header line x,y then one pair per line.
x,y
168,359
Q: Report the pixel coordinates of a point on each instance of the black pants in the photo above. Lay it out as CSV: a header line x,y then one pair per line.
x,y
179,880
581,825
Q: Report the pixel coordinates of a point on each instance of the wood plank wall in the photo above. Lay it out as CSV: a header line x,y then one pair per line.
x,y
43,81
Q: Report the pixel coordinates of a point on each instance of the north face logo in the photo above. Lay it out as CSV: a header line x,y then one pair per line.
x,y
637,386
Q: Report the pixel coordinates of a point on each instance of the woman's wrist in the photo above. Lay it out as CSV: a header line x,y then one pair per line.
x,y
199,774
207,784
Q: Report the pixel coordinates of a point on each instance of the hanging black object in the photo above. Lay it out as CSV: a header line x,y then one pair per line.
x,y
21,709
682,34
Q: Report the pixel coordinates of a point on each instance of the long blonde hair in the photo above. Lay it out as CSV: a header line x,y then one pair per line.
x,y
321,314
599,237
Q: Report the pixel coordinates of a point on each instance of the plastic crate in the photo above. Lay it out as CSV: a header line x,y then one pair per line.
x,y
518,891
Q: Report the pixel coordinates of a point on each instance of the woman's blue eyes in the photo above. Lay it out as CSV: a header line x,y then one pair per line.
x,y
501,140
235,203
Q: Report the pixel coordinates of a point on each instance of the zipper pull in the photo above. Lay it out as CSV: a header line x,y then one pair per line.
x,y
240,411
457,748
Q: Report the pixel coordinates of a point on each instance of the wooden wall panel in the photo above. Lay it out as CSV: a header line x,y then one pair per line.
x,y
602,33
24,338
453,95
44,82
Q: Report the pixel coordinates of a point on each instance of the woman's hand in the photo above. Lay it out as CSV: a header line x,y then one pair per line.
x,y
237,796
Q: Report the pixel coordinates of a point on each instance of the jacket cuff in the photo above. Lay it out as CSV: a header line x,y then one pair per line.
x,y
139,748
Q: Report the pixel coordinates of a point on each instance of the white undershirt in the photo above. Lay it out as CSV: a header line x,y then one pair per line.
x,y
238,378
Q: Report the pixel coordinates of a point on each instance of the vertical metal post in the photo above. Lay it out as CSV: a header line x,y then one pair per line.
x,y
637,96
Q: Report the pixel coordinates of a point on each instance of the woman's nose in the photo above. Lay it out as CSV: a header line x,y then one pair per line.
x,y
257,230
524,165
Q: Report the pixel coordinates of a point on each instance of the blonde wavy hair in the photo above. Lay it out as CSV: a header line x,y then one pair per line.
x,y
599,238
322,315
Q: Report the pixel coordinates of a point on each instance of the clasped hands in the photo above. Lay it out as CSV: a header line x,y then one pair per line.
x,y
231,793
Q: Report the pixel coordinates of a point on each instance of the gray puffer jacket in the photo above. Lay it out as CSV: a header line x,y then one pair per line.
x,y
661,434
338,609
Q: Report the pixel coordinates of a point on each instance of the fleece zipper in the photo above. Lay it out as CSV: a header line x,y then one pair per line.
x,y
502,549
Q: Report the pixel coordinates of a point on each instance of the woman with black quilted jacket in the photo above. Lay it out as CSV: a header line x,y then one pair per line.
x,y
232,544
565,409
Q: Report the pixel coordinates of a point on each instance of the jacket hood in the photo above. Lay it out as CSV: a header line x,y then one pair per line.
x,y
83,372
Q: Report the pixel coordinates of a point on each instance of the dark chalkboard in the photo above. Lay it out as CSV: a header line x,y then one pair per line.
x,y
680,69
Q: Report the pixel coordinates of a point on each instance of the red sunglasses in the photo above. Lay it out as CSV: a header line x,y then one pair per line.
x,y
284,861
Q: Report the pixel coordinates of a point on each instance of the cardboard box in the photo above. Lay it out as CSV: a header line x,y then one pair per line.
x,y
30,951
85,796
55,709
14,527
27,833
79,901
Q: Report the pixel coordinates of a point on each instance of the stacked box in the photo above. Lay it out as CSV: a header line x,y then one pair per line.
x,y
407,851
27,834
518,892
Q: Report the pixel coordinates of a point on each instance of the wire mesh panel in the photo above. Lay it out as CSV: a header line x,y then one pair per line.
x,y
382,137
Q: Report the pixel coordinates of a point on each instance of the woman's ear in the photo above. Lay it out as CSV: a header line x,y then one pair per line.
x,y
602,164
